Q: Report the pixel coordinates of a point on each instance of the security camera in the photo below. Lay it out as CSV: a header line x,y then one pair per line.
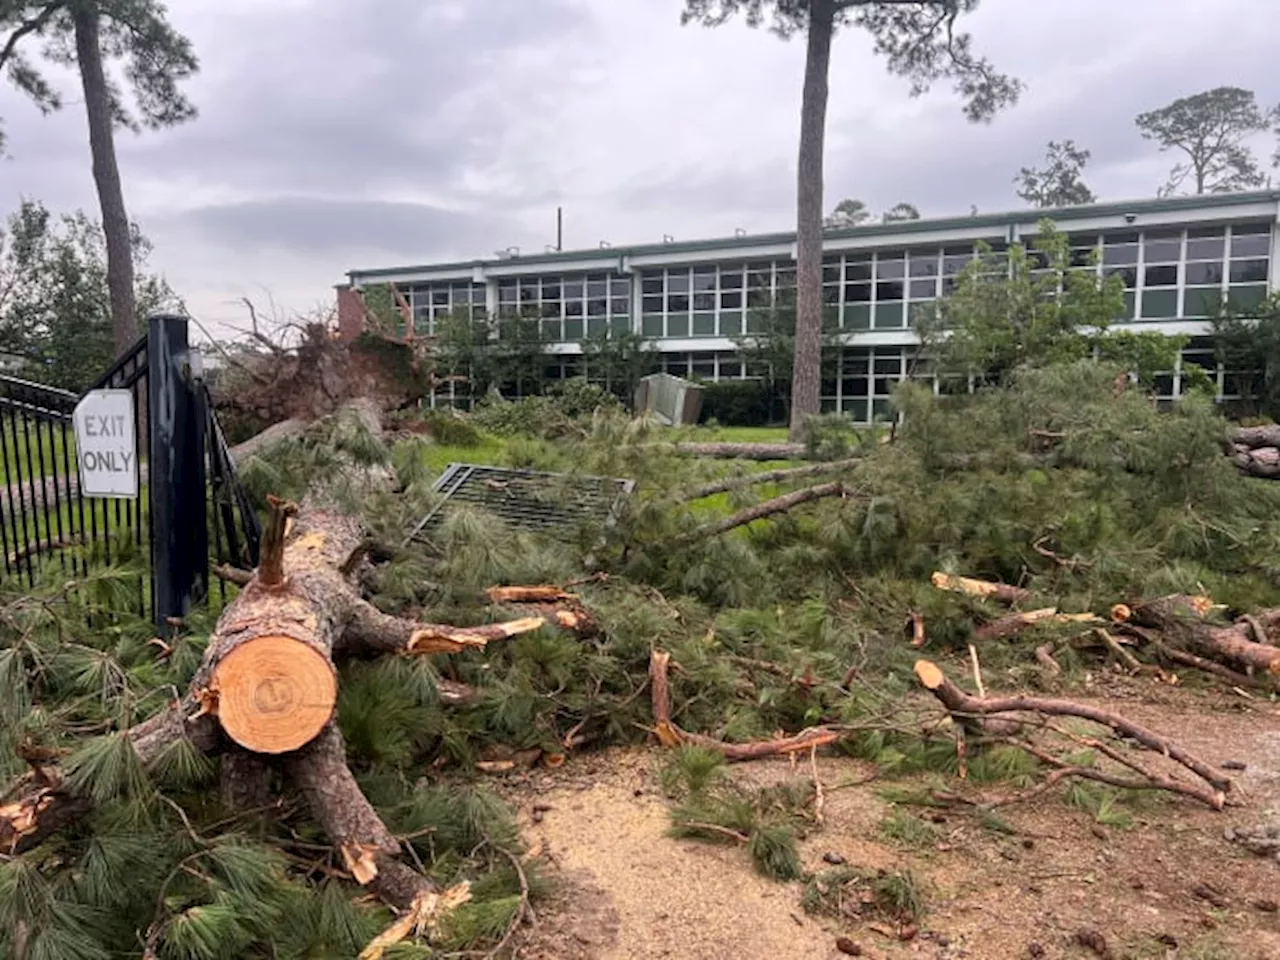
x,y
1130,217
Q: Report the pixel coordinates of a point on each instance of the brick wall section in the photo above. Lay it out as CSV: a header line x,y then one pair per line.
x,y
350,313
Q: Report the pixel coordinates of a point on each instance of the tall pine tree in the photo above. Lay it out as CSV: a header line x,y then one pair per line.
x,y
919,40
85,34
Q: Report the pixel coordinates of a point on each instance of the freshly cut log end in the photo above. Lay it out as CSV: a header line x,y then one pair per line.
x,y
929,674
275,694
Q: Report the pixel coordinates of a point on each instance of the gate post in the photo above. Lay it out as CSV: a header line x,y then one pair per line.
x,y
176,474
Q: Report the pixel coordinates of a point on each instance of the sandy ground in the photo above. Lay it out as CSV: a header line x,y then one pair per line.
x,y
623,889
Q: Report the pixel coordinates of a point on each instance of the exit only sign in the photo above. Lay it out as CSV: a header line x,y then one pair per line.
x,y
106,444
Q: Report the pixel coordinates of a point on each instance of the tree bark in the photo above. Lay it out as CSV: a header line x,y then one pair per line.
x,y
806,374
1179,619
734,451
106,175
1004,592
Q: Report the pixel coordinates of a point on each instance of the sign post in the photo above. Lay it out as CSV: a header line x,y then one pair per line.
x,y
106,445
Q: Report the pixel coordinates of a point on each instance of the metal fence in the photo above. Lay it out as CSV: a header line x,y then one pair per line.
x,y
188,491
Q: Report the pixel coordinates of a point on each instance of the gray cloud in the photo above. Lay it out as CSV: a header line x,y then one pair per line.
x,y
324,227
336,134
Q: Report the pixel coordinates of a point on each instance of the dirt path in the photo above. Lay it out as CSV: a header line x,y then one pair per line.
x,y
1168,876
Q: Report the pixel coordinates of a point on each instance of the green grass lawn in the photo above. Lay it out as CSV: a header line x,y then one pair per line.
x,y
46,453
743,434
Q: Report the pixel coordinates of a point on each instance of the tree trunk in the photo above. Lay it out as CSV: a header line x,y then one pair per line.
x,y
1180,621
806,376
115,221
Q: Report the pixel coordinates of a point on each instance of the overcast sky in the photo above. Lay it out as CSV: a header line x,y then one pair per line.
x,y
334,134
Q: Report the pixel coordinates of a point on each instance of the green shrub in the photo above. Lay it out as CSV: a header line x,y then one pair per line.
x,y
740,403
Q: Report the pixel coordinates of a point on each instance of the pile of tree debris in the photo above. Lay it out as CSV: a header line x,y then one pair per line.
x,y
316,740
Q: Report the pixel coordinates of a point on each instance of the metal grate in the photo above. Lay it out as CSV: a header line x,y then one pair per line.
x,y
556,504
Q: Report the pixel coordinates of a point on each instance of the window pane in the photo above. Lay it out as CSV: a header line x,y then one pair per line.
x,y
652,284
858,272
1162,276
597,307
1162,251
831,293
857,316
733,281
1248,271
596,288
573,308
678,325
678,282
550,289
651,326
1244,298
730,324
704,281
1117,239
620,306
1130,275
885,365
1245,229
677,302
1206,248
573,329
831,273
507,293
704,301
620,288
1202,301
704,325
1160,303
1120,256
889,316
1250,246
730,299
924,266
759,299
923,289
889,269
1203,274
892,290
652,305
573,290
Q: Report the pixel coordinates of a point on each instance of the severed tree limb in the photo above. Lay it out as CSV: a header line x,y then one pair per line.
x,y
761,510
1181,620
236,575
738,481
1064,770
41,803
368,629
1004,592
670,735
1044,656
1015,623
369,850
734,451
963,705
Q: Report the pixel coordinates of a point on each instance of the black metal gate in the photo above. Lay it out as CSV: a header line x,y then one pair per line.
x,y
188,491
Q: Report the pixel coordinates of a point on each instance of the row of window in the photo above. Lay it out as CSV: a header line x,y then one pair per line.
x,y
860,381
1167,273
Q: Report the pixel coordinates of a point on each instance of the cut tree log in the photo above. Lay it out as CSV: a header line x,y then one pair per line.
x,y
268,684
735,451
1004,592
1015,623
969,710
1181,620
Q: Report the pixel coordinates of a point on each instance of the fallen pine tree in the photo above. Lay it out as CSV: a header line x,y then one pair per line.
x,y
266,693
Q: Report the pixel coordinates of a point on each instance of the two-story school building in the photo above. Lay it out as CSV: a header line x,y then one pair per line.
x,y
1180,258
